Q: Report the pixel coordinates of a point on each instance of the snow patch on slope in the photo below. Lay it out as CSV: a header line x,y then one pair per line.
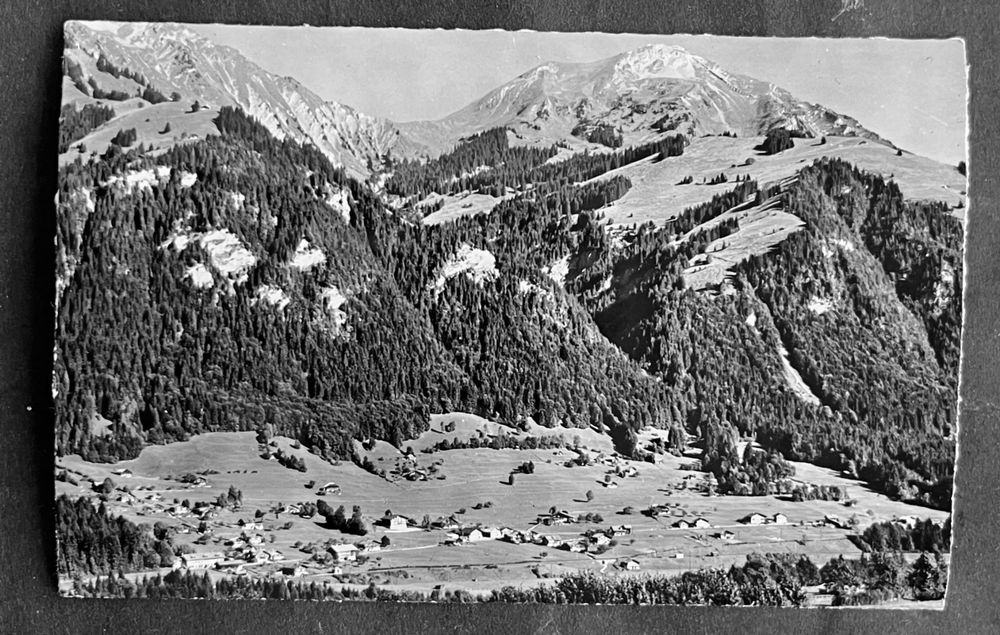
x,y
273,295
332,299
199,275
478,265
558,270
227,253
144,180
339,200
794,379
306,256
819,305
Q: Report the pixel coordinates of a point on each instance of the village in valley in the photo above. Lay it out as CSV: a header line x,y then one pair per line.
x,y
471,518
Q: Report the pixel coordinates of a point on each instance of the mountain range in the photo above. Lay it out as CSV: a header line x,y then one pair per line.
x,y
641,241
645,94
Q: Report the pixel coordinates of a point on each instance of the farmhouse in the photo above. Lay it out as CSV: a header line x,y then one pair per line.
x,y
491,534
201,560
293,571
397,523
753,519
631,565
620,530
234,567
600,539
344,553
329,488
701,523
779,519
682,524
471,534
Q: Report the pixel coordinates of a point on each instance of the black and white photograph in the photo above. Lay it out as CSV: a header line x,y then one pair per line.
x,y
427,315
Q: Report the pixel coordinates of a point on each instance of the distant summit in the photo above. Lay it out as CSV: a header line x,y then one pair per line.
x,y
641,94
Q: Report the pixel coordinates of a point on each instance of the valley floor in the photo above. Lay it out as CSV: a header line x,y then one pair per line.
x,y
458,482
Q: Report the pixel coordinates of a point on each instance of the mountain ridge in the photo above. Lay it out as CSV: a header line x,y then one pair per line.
x,y
645,93
639,95
174,59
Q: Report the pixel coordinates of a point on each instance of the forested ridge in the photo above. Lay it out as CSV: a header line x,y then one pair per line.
x,y
620,344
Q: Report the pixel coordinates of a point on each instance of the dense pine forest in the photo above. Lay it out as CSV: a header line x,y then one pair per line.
x,y
145,355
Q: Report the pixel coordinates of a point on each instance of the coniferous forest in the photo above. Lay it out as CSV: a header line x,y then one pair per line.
x,y
622,345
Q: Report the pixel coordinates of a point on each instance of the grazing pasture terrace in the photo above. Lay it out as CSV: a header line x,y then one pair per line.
x,y
472,487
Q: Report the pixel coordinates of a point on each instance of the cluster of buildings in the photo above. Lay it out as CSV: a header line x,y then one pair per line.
x,y
760,519
249,545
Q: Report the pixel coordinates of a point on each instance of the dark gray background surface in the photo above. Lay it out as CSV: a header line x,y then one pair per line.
x,y
30,50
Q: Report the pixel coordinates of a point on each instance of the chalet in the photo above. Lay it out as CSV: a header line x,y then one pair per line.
x,y
398,523
835,521
513,536
753,519
490,533
631,565
600,539
611,485
448,524
344,553
452,538
551,541
234,567
337,571
122,472
371,546
779,519
293,570
329,488
471,534
701,523
682,524
201,560
577,547
727,535
619,530
250,525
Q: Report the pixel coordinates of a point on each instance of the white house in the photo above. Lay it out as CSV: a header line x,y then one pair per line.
x,y
344,553
753,519
701,522
779,519
632,565
398,523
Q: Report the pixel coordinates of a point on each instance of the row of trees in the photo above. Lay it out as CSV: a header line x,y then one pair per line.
x,y
764,580
75,124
